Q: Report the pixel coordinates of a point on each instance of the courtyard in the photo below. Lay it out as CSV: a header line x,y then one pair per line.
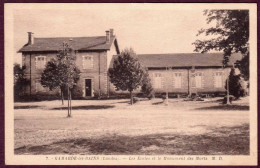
x,y
147,127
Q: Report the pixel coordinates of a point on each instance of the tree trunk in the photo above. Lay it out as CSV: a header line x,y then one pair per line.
x,y
61,94
68,102
131,98
228,102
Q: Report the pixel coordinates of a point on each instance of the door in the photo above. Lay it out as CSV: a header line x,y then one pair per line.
x,y
88,88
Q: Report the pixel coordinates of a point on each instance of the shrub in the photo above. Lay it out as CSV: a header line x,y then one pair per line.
x,y
147,88
76,92
235,87
20,82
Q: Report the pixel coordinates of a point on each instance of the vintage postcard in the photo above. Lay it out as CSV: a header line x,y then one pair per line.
x,y
130,84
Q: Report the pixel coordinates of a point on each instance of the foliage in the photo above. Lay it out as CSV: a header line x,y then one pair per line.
x,y
62,73
67,70
235,87
147,87
243,66
57,73
20,81
50,77
230,34
126,73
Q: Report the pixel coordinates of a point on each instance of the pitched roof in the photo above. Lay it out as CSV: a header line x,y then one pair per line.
x,y
77,43
185,60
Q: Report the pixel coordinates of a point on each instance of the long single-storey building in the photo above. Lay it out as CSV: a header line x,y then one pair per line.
x,y
190,73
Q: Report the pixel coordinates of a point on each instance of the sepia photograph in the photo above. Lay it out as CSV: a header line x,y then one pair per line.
x,y
156,84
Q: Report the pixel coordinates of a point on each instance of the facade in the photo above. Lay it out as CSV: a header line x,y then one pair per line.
x,y
93,56
193,73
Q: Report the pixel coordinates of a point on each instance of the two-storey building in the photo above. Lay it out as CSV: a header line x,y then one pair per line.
x,y
93,56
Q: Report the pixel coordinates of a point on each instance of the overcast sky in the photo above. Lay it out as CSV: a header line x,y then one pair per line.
x,y
148,29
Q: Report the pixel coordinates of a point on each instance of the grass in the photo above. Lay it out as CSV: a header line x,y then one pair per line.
x,y
224,141
26,107
89,107
225,107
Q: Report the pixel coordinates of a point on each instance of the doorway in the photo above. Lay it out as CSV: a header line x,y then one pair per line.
x,y
88,87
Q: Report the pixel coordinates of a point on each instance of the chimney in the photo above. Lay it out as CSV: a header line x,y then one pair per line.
x,y
107,36
30,38
111,32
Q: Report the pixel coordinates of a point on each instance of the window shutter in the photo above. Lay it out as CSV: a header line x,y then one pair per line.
x,y
214,79
83,62
36,67
152,80
202,80
162,81
45,60
182,81
23,60
173,80
223,80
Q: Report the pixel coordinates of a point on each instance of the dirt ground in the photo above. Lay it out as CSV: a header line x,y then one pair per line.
x,y
147,127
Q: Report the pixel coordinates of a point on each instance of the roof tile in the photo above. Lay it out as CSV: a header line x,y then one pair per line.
x,y
77,43
185,59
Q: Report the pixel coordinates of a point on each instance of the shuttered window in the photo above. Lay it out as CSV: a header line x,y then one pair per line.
x,y
218,80
157,80
177,80
23,60
198,80
87,62
40,62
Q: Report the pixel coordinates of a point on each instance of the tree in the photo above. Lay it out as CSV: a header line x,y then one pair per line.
x,y
19,80
62,73
147,87
235,87
126,73
68,73
230,35
50,78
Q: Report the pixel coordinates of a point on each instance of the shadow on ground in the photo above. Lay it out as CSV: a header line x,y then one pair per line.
x,y
157,103
221,141
88,107
26,107
224,107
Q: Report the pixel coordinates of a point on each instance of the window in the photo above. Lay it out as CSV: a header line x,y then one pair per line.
x,y
177,80
40,62
87,62
23,60
198,80
218,82
39,87
157,80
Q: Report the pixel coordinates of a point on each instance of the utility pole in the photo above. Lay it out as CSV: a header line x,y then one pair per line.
x,y
227,83
167,88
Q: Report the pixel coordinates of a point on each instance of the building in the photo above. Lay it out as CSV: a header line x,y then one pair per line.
x,y
193,73
93,55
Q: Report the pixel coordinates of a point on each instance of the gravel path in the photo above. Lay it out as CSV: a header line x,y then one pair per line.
x,y
38,123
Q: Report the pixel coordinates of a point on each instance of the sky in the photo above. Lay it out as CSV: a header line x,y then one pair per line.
x,y
147,28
